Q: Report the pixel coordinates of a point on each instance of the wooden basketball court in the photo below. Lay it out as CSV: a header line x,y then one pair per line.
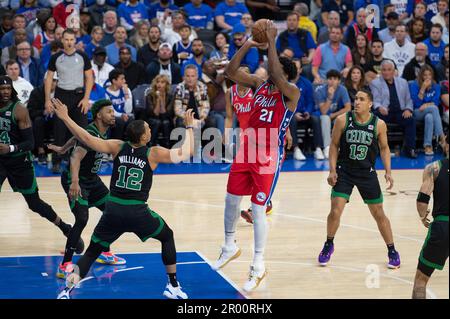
x,y
193,207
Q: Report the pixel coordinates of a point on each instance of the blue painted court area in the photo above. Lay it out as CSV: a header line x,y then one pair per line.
x,y
289,165
143,277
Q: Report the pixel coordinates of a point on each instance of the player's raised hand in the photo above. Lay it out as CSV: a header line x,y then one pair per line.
x,y
252,43
332,178
389,181
189,120
271,30
60,109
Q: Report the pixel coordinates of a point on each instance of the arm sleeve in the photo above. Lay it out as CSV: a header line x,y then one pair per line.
x,y
28,140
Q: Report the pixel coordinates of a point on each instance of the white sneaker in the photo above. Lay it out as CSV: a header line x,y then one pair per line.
x,y
326,152
226,256
256,275
65,294
298,155
172,292
318,154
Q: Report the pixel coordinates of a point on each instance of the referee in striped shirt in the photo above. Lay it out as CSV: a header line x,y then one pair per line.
x,y
74,86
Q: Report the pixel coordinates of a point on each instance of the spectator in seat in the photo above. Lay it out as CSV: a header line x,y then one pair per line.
x,y
160,10
200,15
100,67
122,101
355,82
417,30
19,23
140,37
149,52
435,44
134,71
47,34
304,116
344,7
400,50
412,69
182,50
110,24
22,86
304,21
360,27
333,20
420,11
372,69
220,42
171,33
332,55
164,66
247,22
159,109
130,13
98,10
444,98
42,122
30,69
300,40
229,13
387,34
426,96
10,53
331,100
361,54
442,66
251,59
96,38
393,104
112,50
439,18
198,57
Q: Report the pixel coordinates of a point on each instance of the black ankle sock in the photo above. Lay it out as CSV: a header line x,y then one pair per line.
x,y
391,248
329,241
173,279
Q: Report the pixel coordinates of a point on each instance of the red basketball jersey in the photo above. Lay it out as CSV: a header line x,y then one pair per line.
x,y
242,105
270,115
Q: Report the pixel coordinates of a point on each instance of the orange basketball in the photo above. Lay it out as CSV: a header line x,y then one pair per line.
x,y
259,31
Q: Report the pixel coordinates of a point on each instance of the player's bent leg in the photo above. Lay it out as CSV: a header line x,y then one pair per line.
x,y
384,225
247,214
423,274
173,288
229,250
338,203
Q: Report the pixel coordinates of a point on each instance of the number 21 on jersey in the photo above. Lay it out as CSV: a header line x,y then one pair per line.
x,y
266,116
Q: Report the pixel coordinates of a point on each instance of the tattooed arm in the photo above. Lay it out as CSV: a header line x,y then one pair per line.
x,y
429,176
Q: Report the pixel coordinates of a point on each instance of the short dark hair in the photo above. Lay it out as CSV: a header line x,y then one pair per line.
x,y
334,74
10,62
292,13
19,15
289,68
197,40
69,31
125,48
337,27
135,130
368,92
378,41
114,74
98,105
437,25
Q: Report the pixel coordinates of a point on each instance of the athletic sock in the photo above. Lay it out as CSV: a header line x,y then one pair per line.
x,y
391,248
329,241
260,233
173,279
231,217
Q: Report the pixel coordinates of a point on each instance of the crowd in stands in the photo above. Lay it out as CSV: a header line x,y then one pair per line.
x,y
156,59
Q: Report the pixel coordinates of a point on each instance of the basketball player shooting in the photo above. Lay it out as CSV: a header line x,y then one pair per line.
x,y
274,104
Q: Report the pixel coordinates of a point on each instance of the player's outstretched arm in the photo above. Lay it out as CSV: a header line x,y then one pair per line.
x,y
232,70
160,154
63,149
228,119
289,90
103,146
385,152
426,189
334,148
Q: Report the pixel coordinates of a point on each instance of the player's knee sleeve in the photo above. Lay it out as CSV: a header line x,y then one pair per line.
x,y
36,204
168,250
232,205
259,226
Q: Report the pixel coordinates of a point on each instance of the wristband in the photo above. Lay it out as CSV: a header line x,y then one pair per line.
x,y
12,148
423,198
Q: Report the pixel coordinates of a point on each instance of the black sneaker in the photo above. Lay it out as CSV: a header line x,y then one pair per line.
x,y
42,159
411,154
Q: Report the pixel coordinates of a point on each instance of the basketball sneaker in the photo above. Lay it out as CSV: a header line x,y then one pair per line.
x,y
247,214
325,254
65,294
172,292
226,256
64,270
108,258
394,260
256,275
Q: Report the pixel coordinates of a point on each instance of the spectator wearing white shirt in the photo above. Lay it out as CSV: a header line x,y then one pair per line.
x,y
440,16
400,50
100,66
22,86
171,35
